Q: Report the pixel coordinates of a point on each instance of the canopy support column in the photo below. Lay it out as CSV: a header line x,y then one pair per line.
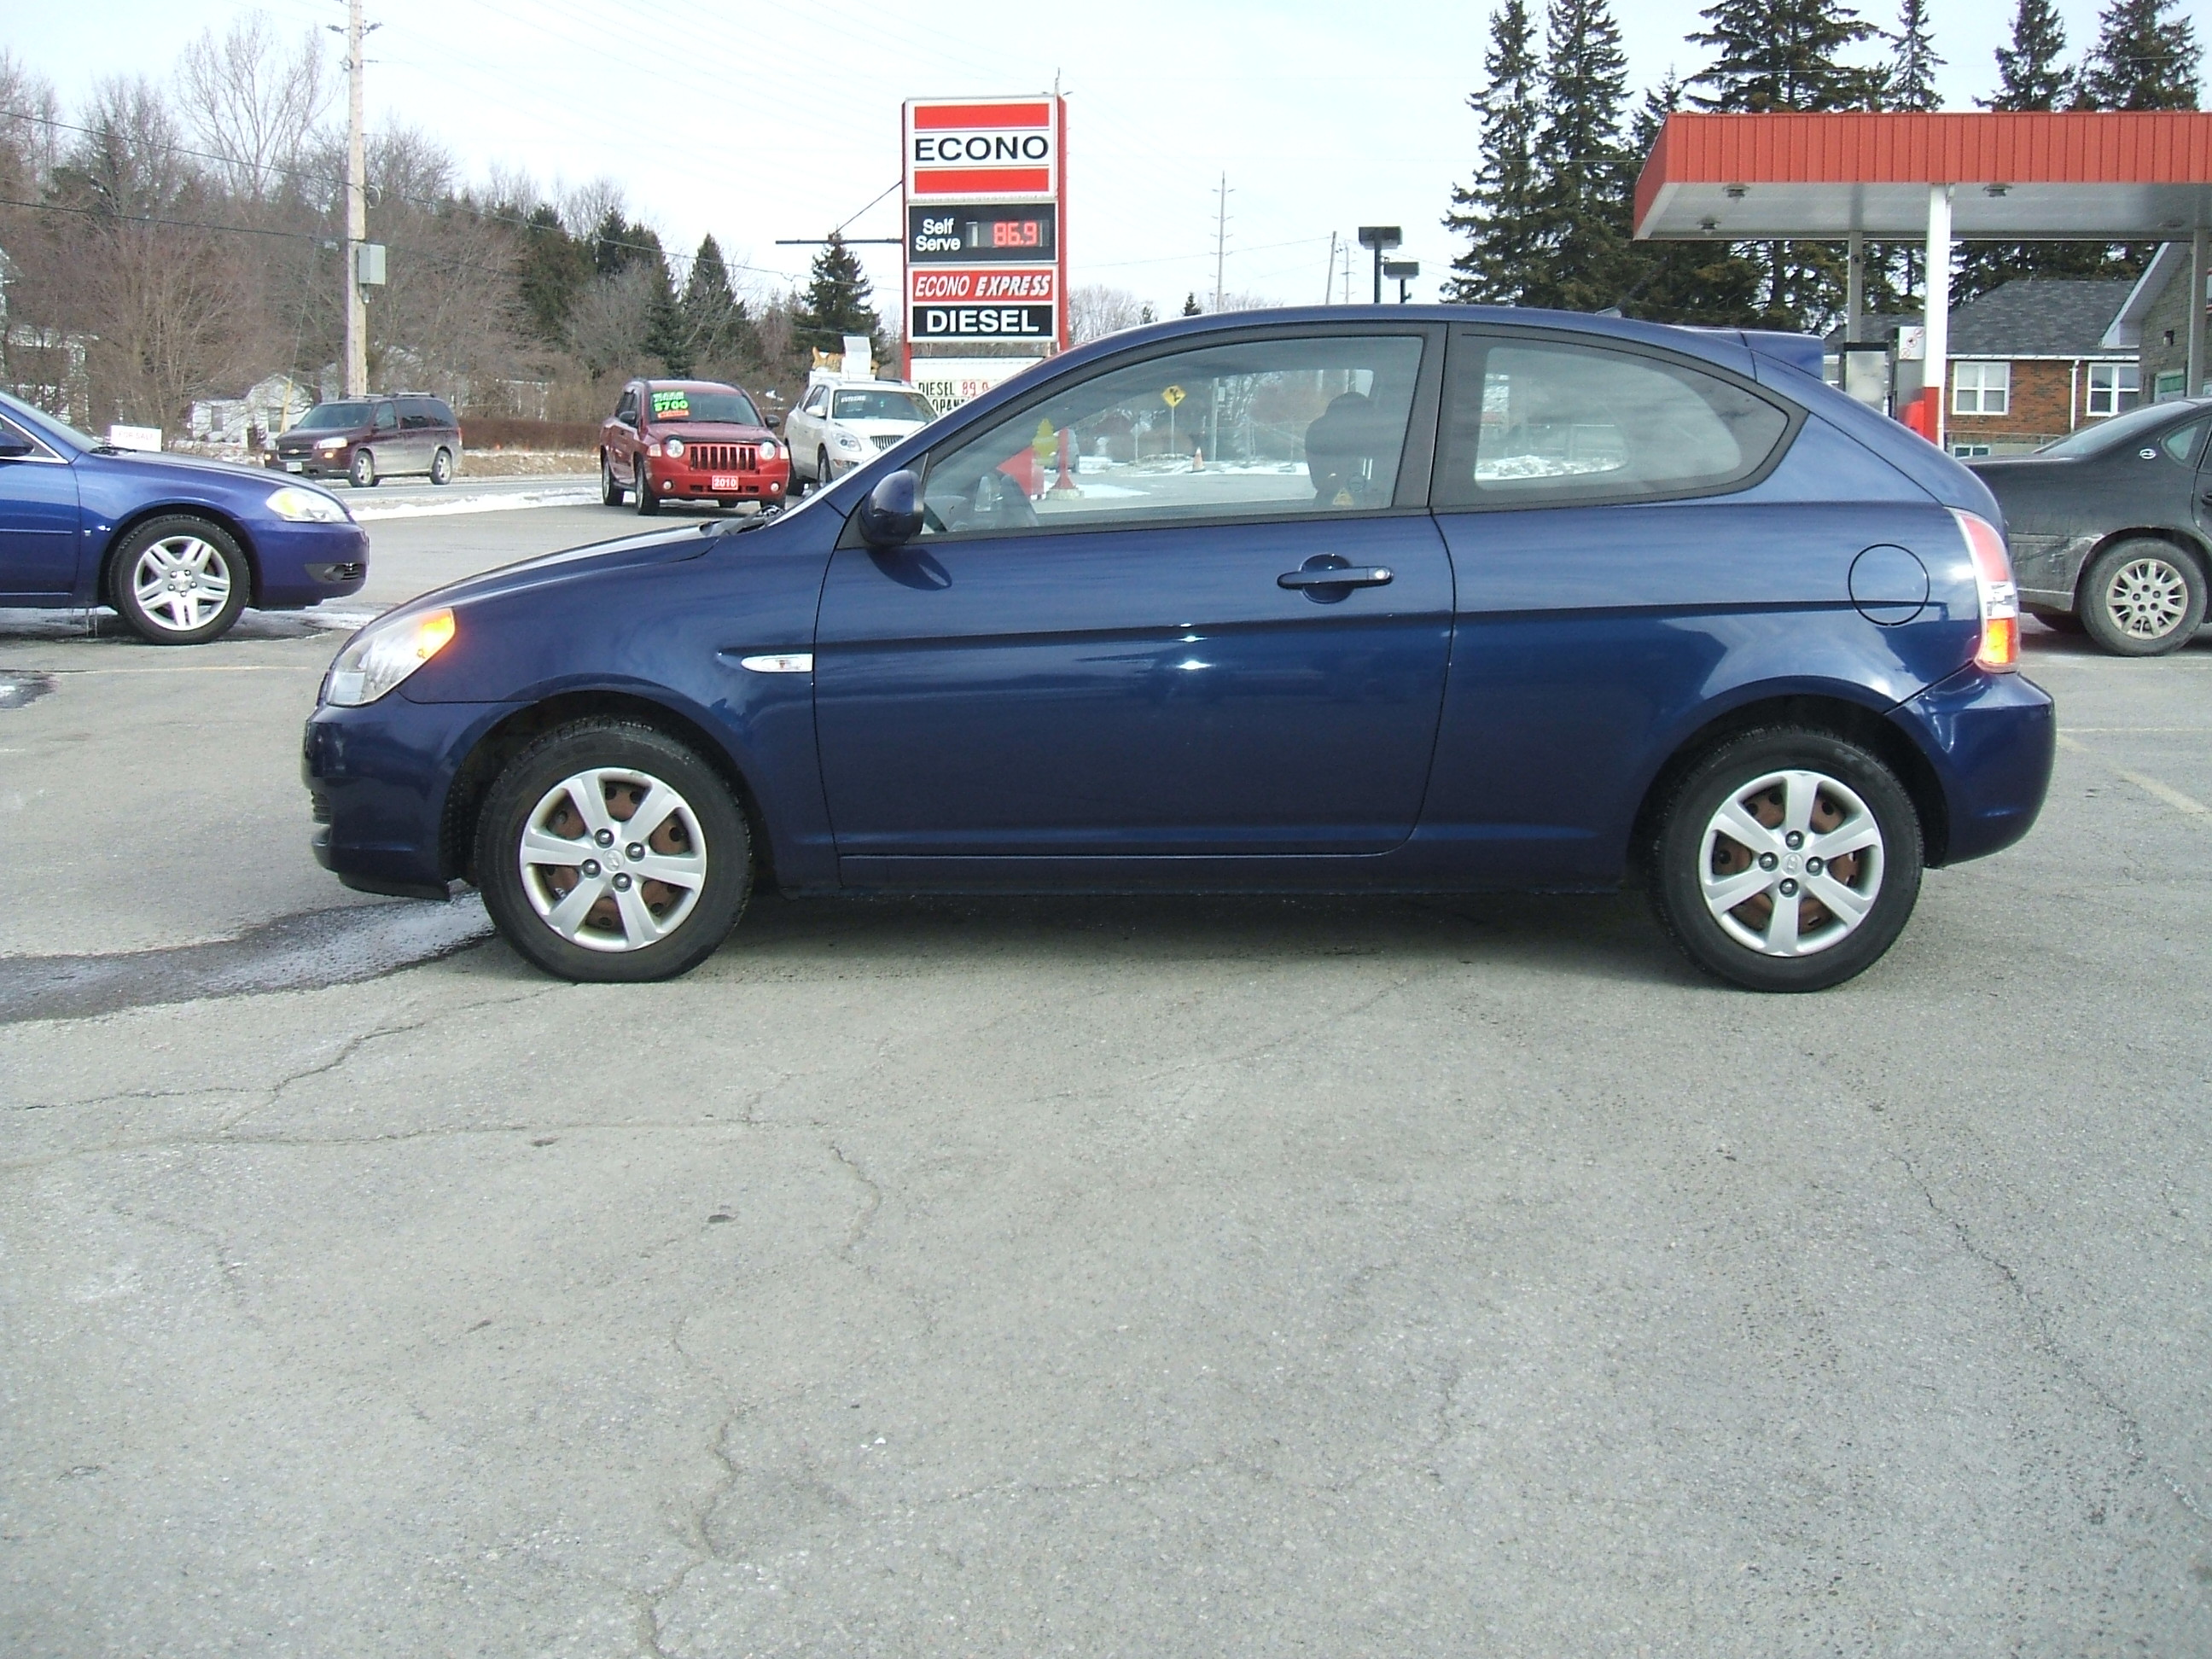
x,y
1935,374
1853,285
2200,256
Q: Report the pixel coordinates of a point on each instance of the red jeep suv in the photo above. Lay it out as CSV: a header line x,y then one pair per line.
x,y
690,441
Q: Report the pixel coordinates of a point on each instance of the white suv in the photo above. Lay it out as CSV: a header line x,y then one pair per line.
x,y
840,424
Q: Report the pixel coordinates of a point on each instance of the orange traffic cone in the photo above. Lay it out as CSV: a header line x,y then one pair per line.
x,y
1066,484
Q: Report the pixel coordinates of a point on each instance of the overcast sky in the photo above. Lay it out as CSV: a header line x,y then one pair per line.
x,y
775,119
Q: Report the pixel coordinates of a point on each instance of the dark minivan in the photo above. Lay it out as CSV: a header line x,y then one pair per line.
x,y
368,439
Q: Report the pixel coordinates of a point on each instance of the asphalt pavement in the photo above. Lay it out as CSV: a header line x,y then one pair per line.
x,y
1099,1277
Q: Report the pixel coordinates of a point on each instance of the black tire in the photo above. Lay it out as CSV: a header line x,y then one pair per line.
x,y
185,540
441,467
520,792
641,482
1681,858
2141,597
362,474
610,490
824,477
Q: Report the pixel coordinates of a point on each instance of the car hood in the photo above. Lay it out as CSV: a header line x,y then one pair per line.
x,y
880,428
625,553
713,432
167,462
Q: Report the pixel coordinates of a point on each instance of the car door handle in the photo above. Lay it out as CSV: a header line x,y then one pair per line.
x,y
1340,575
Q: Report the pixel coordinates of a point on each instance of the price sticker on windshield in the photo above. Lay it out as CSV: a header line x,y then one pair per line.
x,y
1172,396
672,404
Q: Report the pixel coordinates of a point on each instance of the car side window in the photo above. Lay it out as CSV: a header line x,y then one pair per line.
x,y
2181,443
414,415
1538,421
39,449
441,413
1282,425
626,410
387,419
814,401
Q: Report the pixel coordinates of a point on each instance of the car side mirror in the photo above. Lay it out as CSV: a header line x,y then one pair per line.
x,y
13,447
775,422
890,515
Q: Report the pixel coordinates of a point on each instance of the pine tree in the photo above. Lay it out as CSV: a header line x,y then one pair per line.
x,y
1912,71
1579,224
1493,212
835,303
1707,282
1191,306
714,317
2032,75
2029,74
2142,61
550,271
1775,55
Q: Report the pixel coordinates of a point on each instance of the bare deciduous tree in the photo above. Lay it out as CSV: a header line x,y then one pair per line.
x,y
1095,310
247,97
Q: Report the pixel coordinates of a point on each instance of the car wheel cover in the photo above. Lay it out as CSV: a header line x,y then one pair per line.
x,y
612,858
181,583
2147,599
1791,863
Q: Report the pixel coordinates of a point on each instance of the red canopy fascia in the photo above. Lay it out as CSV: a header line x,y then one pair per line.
x,y
2084,174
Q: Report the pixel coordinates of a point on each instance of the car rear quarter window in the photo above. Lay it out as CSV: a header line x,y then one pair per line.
x,y
1541,421
1277,426
2182,442
417,415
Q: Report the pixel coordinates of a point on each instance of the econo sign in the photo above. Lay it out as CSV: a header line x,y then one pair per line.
x,y
981,151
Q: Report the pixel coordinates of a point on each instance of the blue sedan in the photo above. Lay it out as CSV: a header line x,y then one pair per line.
x,y
1402,598
179,546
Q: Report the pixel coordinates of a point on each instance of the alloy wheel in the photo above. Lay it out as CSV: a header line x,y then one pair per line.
x,y
2147,597
1791,863
612,858
181,582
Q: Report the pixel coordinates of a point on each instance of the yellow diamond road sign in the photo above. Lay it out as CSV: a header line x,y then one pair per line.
x,y
1172,396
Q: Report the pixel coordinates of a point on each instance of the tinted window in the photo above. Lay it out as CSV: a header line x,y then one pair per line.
x,y
1538,422
2181,443
2126,428
1285,425
387,419
417,415
815,400
627,409
326,418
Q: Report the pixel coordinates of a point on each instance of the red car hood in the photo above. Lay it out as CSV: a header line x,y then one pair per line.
x,y
712,432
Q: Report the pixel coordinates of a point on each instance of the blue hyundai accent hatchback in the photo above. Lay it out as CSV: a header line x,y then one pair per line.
x,y
179,546
1399,598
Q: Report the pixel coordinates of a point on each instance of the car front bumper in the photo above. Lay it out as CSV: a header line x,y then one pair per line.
x,y
379,779
303,564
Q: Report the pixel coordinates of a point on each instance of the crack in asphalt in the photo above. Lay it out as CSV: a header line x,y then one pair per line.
x,y
309,951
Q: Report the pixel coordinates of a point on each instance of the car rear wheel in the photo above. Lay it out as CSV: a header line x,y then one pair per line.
x,y
1787,860
2141,597
609,852
441,467
610,490
641,482
361,475
178,581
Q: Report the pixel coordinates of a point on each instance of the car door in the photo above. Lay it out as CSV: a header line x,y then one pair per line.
x,y
622,439
40,523
1148,657
384,440
804,431
418,426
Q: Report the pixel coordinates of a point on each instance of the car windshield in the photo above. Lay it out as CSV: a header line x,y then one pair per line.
x,y
2109,434
53,424
323,417
880,406
691,403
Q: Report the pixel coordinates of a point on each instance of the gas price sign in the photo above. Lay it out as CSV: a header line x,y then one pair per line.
x,y
999,231
986,203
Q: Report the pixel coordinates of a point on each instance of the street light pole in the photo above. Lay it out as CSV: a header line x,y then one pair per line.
x,y
1380,238
1401,271
356,310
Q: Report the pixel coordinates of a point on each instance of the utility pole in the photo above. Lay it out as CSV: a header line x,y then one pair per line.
x,y
356,309
1220,238
1328,288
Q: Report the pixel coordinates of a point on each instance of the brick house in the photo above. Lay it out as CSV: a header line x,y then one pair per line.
x,y
2154,321
2030,361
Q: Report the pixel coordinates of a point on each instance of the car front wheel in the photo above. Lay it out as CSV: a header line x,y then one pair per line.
x,y
2141,597
361,475
610,490
1787,860
178,581
609,852
641,482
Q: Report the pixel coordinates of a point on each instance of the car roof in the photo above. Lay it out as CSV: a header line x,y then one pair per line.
x,y
692,386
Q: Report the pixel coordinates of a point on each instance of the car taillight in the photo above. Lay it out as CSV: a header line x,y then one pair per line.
x,y
2000,648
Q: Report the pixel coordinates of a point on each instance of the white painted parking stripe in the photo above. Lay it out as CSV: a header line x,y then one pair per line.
x,y
2152,786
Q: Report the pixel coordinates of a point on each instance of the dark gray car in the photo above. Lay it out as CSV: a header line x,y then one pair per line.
x,y
2111,528
368,439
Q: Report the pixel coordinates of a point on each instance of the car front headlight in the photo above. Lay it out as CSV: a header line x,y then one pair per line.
x,y
673,449
847,440
383,655
307,506
768,451
330,443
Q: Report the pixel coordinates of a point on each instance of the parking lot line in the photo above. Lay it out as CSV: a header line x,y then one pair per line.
x,y
2149,785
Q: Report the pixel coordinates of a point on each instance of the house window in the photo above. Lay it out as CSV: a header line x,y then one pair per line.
x,y
1981,388
2172,385
2113,388
1969,452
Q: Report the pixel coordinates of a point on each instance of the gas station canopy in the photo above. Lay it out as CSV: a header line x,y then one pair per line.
x,y
2017,177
